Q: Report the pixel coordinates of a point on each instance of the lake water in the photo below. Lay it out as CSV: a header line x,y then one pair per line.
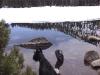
x,y
73,49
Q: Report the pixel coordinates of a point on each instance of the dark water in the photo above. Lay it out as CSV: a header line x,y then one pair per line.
x,y
73,49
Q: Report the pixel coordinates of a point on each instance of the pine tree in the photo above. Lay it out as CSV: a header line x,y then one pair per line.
x,y
12,63
28,71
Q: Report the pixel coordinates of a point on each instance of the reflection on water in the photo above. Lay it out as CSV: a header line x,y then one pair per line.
x,y
85,30
19,35
45,68
73,49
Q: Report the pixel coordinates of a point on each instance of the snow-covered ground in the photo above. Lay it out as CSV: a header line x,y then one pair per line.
x,y
50,14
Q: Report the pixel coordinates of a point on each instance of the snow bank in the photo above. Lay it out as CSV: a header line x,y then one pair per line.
x,y
50,14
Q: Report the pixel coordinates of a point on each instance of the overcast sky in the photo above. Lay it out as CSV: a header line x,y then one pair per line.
x,y
50,14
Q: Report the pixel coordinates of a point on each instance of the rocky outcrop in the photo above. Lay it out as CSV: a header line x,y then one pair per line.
x,y
96,64
92,59
38,43
90,56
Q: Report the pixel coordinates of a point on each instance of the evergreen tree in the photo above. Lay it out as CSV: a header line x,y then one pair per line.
x,y
28,71
4,35
12,63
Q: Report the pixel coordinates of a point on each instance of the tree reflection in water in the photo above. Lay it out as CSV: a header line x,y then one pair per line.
x,y
45,67
84,30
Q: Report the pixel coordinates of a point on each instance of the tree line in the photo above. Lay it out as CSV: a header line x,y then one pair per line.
x,y
80,30
36,3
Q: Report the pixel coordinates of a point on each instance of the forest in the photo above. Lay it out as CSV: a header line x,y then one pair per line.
x,y
37,3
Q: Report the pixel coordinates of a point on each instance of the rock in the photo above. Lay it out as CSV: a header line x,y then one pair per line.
x,y
90,56
96,63
94,38
38,43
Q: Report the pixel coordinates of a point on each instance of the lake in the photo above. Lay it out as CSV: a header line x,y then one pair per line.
x,y
73,49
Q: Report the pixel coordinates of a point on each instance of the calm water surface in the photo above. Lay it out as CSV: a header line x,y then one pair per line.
x,y
73,49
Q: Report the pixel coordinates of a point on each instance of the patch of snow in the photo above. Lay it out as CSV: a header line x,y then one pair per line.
x,y
50,14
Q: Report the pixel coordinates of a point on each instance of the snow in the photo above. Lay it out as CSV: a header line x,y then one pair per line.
x,y
50,14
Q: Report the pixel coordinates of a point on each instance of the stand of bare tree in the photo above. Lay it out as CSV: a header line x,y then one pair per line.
x,y
35,3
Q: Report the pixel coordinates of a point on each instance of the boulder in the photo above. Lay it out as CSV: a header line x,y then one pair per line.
x,y
90,56
96,64
37,43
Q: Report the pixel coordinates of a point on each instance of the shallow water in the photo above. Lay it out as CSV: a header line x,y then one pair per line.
x,y
73,49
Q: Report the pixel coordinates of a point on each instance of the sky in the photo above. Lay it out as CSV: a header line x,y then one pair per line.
x,y
50,14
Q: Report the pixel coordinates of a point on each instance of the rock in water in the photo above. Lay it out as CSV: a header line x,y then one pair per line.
x,y
90,56
96,64
38,43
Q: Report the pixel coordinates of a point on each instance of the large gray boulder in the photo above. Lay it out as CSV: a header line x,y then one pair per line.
x,y
37,43
90,56
96,63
